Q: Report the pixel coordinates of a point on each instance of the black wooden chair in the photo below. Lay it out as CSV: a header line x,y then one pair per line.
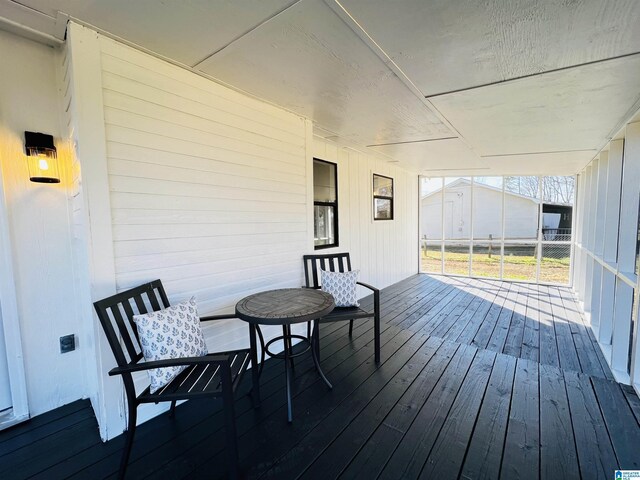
x,y
213,375
341,262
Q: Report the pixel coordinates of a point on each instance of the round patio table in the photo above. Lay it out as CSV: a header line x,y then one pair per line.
x,y
284,307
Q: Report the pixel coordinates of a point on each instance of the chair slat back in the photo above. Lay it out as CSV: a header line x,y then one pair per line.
x,y
116,317
332,262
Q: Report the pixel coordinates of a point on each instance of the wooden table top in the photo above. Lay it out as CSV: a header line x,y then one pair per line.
x,y
285,306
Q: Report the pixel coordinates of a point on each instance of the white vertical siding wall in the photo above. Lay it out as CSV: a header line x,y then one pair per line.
x,y
207,186
385,251
181,179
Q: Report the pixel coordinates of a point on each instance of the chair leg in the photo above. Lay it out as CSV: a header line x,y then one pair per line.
x,y
262,350
230,424
376,340
131,431
376,327
287,374
350,327
315,344
314,354
172,410
255,370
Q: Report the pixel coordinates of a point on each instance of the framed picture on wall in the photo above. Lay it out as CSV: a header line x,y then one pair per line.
x,y
382,197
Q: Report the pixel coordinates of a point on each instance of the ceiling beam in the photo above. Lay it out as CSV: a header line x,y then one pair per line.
x,y
411,141
515,79
353,24
538,153
243,34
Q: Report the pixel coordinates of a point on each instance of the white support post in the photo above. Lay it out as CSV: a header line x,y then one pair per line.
x,y
89,130
603,164
634,371
610,228
579,203
574,222
575,233
586,237
607,307
632,157
593,204
598,239
502,232
539,230
578,283
596,295
471,216
629,202
621,329
612,208
420,180
442,241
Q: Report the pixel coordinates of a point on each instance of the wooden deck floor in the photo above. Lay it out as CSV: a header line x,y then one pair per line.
x,y
480,379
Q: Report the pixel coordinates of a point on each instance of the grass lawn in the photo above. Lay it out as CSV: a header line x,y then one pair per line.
x,y
516,267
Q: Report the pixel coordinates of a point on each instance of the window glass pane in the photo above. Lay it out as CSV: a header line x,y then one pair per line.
x,y
457,208
431,257
382,186
519,262
554,264
382,209
558,195
486,260
324,233
521,206
431,198
324,181
456,258
487,208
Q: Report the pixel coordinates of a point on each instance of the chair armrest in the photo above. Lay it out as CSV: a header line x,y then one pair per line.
x,y
171,362
366,285
376,298
218,317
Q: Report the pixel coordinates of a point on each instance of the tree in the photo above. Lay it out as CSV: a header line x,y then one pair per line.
x,y
555,189
559,189
527,186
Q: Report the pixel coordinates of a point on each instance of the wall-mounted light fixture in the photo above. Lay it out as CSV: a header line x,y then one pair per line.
x,y
42,158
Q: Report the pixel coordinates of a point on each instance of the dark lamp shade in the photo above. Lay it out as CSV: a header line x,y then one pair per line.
x,y
42,158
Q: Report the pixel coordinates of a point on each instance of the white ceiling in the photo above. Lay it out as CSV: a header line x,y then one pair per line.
x,y
442,86
564,110
308,61
446,45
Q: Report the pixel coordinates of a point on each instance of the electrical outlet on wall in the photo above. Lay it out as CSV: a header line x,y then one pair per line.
x,y
67,343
